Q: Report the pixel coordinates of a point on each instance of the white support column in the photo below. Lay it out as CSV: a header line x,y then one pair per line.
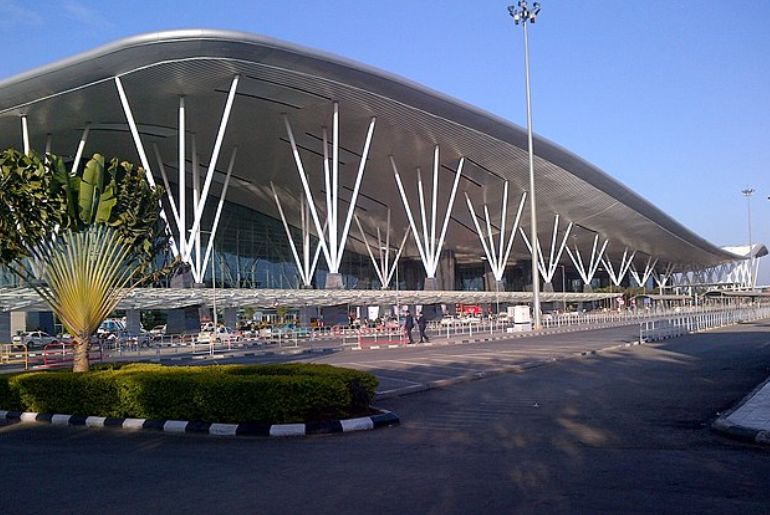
x,y
48,142
25,134
587,273
548,271
143,157
182,180
497,255
427,245
81,148
649,267
332,246
625,263
377,266
166,185
196,177
662,279
220,205
356,189
213,162
309,196
305,267
540,259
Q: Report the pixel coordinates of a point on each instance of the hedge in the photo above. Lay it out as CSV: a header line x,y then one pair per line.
x,y
232,393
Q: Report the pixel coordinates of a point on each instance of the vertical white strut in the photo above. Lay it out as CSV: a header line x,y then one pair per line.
x,y
332,246
213,162
81,147
143,157
25,134
182,180
169,193
497,256
649,267
196,176
587,273
553,259
215,226
625,264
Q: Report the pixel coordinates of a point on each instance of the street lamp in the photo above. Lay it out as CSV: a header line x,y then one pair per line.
x,y
748,192
213,338
522,14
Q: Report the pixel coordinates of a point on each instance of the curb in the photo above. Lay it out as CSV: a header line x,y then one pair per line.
x,y
382,419
742,433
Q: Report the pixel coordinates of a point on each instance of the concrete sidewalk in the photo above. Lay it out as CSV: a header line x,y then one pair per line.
x,y
749,421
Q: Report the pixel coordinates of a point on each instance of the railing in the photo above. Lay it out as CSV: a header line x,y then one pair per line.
x,y
673,327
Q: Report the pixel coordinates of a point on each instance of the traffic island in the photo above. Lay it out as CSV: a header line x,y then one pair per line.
x,y
232,400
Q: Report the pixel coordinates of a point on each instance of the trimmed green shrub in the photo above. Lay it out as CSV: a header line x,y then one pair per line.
x,y
9,396
232,393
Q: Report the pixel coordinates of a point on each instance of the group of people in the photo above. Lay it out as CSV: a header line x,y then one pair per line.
x,y
422,325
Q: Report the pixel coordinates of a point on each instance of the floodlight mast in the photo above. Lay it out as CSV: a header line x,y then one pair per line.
x,y
522,14
748,192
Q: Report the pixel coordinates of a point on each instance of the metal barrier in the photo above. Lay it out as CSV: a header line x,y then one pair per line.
x,y
673,327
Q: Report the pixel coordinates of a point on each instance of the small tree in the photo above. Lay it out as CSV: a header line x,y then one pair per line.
x,y
81,241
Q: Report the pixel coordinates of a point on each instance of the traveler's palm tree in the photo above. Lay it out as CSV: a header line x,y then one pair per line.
x,y
81,241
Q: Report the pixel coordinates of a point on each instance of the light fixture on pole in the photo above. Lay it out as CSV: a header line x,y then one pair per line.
x,y
523,15
214,333
748,192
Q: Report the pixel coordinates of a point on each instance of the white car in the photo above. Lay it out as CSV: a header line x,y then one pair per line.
x,y
449,320
223,334
470,319
36,339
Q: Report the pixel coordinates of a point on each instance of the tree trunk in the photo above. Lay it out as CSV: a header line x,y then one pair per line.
x,y
80,361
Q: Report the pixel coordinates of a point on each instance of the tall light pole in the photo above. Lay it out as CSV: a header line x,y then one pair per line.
x,y
521,13
748,192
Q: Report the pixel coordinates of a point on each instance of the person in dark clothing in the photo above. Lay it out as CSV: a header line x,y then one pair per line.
x,y
422,323
409,325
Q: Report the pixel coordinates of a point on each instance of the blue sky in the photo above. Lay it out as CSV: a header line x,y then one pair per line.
x,y
671,98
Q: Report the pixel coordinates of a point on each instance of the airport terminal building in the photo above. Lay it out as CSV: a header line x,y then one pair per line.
x,y
302,178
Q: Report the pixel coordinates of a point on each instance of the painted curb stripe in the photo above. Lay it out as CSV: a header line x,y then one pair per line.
x,y
60,420
385,418
357,424
287,430
134,423
95,421
223,429
175,426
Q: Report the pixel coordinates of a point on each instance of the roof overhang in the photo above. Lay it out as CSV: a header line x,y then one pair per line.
x,y
277,78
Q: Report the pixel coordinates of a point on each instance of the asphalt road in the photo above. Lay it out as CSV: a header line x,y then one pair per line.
x,y
620,431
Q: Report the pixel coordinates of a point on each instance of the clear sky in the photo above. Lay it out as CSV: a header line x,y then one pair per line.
x,y
672,98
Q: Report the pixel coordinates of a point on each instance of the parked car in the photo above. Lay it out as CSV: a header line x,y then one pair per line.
x,y
158,330
290,331
35,339
449,320
223,335
110,326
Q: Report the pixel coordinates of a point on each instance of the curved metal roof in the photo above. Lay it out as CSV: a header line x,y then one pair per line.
x,y
278,77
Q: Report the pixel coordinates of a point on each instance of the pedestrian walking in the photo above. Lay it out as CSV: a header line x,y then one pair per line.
x,y
408,326
422,324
